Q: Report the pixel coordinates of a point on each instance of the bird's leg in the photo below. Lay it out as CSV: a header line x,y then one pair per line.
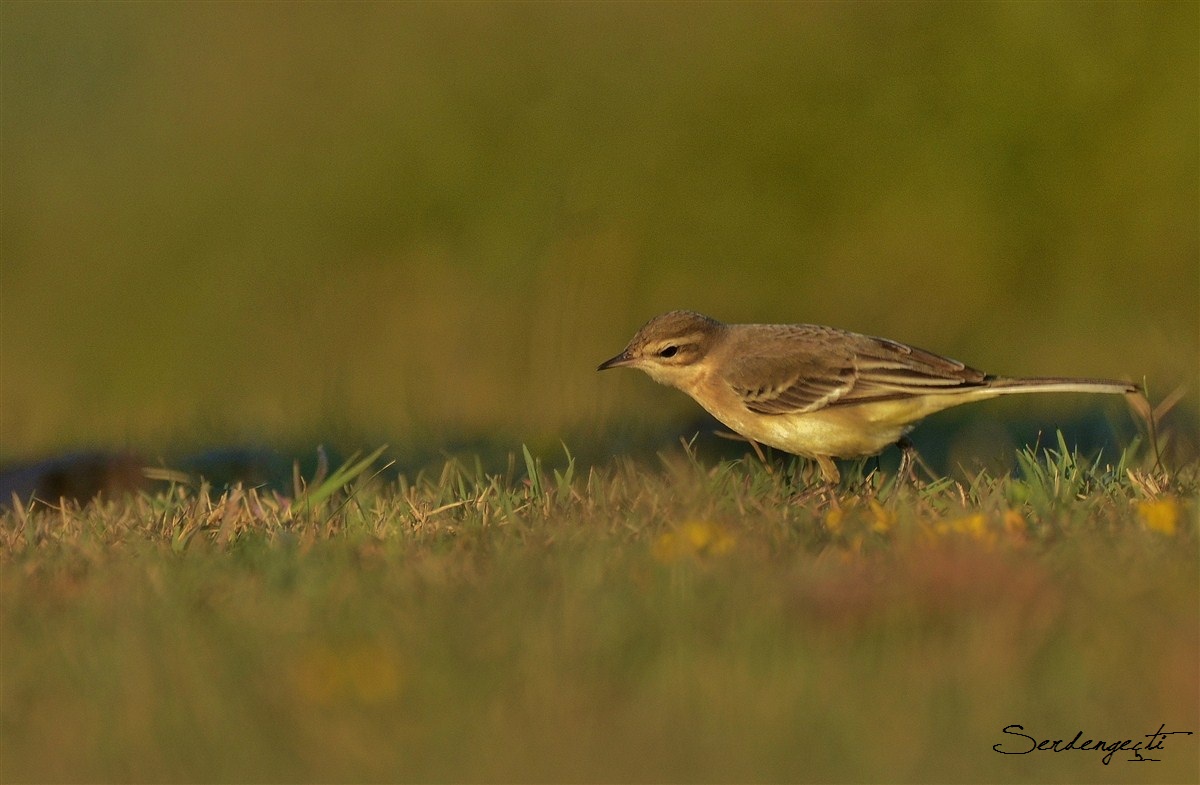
x,y
761,458
831,476
825,488
908,456
829,470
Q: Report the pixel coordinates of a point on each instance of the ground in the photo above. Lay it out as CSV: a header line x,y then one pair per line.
x,y
677,621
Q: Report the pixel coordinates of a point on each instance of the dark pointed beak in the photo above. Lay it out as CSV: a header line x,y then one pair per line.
x,y
616,362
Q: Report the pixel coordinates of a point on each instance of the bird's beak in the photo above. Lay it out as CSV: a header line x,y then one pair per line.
x,y
620,360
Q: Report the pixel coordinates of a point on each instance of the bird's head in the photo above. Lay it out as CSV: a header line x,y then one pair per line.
x,y
670,347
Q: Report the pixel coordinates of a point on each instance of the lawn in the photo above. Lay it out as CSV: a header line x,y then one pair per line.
x,y
678,620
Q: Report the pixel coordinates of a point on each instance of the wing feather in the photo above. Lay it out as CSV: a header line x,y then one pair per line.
x,y
803,368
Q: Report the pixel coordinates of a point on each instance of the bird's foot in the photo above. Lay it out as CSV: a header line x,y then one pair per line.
x,y
908,454
823,489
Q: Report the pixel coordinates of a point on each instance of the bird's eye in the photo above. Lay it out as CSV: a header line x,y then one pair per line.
x,y
668,351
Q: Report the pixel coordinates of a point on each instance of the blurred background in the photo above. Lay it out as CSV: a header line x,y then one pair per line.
x,y
230,224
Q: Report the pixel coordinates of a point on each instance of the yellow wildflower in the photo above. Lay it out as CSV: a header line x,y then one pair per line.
x,y
833,520
1160,515
882,519
975,526
362,672
694,538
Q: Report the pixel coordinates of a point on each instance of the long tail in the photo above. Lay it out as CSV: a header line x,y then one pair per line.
x,y
1004,386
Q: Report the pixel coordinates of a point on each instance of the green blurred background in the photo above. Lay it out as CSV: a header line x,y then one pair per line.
x,y
289,223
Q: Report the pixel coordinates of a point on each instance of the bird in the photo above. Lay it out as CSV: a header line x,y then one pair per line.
x,y
815,391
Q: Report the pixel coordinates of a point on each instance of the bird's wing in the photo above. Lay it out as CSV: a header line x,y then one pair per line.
x,y
889,369
804,368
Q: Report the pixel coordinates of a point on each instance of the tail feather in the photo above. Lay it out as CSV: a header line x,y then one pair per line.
x,y
1004,385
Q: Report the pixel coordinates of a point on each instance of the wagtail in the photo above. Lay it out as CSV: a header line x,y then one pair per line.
x,y
818,392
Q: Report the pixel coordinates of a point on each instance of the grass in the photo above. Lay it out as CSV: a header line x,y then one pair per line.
x,y
680,621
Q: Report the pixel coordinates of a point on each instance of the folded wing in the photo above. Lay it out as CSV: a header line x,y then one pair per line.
x,y
809,367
